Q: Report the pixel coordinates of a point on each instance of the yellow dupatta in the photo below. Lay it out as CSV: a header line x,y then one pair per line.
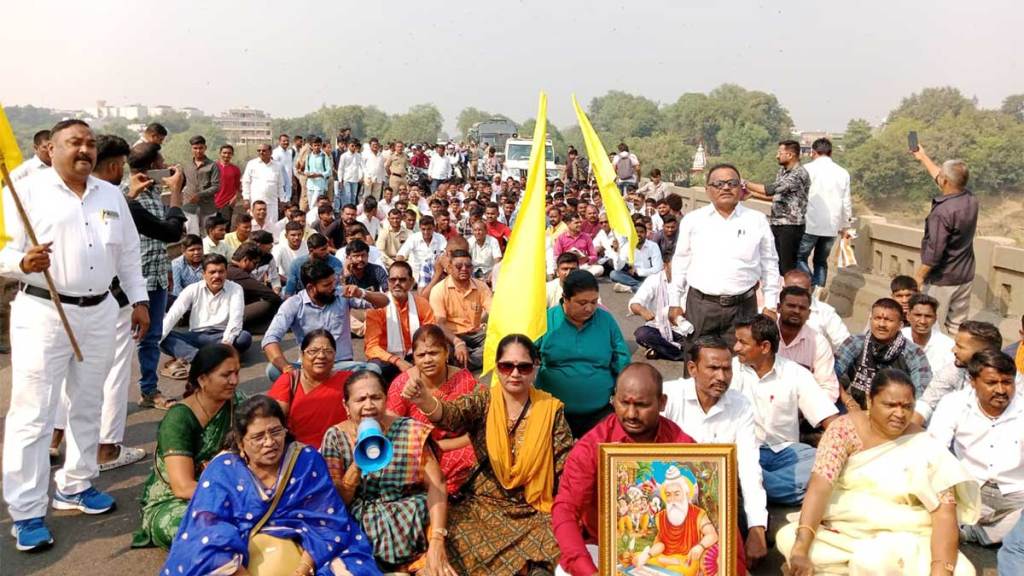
x,y
534,468
1019,359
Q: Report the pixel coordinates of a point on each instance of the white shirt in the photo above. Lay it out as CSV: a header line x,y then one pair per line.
x,y
268,225
417,252
604,240
646,259
221,248
829,208
264,182
384,207
284,256
939,348
990,448
350,167
375,256
725,256
647,296
440,168
373,166
372,224
484,256
27,168
284,157
826,321
94,237
729,421
221,311
785,392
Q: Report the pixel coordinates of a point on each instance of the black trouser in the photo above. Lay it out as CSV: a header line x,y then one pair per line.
x,y
787,244
709,316
652,339
580,424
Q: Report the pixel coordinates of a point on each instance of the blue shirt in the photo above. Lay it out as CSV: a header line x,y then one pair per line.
x,y
184,274
295,285
300,315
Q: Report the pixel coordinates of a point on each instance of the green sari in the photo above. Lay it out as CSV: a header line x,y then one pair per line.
x,y
179,434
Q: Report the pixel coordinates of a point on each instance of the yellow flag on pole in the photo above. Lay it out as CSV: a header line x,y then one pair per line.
x,y
519,305
10,156
614,203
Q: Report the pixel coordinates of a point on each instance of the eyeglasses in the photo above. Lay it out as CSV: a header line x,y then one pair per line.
x,y
314,352
506,368
274,434
399,279
462,265
724,184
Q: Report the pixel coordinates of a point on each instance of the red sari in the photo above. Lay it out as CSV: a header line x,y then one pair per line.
x,y
457,465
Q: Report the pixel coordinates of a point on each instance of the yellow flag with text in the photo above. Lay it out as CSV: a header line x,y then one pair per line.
x,y
519,305
10,156
614,204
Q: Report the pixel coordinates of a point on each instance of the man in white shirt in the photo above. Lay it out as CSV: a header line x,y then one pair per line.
x,y
260,220
646,262
606,242
85,223
293,247
284,155
374,174
823,319
369,217
484,250
724,250
780,391
264,179
391,236
421,251
706,409
217,310
350,176
657,335
566,263
802,344
985,426
41,160
972,337
922,316
829,210
440,168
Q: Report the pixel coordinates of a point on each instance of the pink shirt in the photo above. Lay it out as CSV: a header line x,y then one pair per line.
x,y
584,243
812,351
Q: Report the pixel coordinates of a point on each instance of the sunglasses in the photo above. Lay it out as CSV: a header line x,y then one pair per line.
x,y
506,368
724,184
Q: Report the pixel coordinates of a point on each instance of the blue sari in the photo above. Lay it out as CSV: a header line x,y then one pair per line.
x,y
228,502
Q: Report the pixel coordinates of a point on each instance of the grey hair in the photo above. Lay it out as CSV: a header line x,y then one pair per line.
x,y
956,173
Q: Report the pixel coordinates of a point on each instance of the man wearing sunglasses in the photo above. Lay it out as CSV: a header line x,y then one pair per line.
x,y
724,252
461,304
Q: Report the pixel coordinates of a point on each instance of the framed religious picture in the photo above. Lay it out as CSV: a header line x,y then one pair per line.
x,y
667,509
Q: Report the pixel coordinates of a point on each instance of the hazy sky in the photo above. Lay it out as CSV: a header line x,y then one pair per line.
x,y
826,61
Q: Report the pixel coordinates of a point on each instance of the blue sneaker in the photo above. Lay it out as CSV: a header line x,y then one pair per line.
x,y
90,501
32,534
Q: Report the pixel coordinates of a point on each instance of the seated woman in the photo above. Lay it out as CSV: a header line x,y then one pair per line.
x,y
884,496
445,382
521,438
396,504
190,435
312,396
581,354
268,485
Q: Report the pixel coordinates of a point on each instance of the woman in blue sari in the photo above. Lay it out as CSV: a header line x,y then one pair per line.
x,y
239,486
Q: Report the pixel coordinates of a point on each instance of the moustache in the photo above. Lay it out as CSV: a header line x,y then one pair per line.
x,y
83,158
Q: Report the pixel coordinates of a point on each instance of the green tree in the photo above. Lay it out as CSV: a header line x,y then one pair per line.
x,y
932,104
1014,106
177,150
554,134
666,152
422,123
858,131
620,116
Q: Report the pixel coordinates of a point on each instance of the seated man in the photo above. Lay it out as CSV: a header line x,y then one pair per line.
x,y
391,236
577,241
565,264
321,305
901,289
216,227
823,319
863,355
187,268
461,304
261,302
780,391
360,271
647,261
714,414
317,249
938,347
358,231
330,227
650,302
242,231
389,330
421,250
267,270
801,344
985,425
288,251
972,337
216,308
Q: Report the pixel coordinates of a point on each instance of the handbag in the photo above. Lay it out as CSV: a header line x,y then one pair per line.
x,y
270,555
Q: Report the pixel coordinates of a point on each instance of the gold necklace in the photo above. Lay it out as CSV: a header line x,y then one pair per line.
x,y
203,408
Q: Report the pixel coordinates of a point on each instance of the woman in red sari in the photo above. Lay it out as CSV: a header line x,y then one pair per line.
x,y
445,382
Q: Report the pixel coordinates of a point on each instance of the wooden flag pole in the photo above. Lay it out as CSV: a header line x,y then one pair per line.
x,y
54,296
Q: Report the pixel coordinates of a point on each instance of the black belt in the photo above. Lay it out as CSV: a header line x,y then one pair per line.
x,y
725,301
83,301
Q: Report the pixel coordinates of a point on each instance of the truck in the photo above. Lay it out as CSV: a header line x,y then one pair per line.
x,y
493,132
517,159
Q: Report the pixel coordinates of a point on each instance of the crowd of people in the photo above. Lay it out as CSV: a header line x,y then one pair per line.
x,y
898,441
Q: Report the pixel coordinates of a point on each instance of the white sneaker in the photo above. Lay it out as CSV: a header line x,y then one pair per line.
x,y
125,457
621,288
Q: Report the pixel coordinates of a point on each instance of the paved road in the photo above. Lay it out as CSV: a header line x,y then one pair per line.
x,y
88,545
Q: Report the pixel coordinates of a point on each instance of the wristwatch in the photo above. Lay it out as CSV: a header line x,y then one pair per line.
x,y
141,303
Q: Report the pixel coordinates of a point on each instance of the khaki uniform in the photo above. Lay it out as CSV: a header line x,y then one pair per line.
x,y
399,168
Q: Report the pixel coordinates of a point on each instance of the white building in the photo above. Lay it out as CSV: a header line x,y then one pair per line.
x,y
244,126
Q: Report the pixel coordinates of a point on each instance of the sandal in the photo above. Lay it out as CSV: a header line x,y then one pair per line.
x,y
126,455
156,400
175,369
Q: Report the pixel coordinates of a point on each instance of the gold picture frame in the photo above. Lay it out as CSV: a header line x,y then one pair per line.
x,y
635,483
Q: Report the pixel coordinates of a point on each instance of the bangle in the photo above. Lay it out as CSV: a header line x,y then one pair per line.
x,y
437,406
808,528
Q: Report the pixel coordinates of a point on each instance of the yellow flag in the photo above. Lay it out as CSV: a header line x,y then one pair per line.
x,y
601,166
10,156
519,305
